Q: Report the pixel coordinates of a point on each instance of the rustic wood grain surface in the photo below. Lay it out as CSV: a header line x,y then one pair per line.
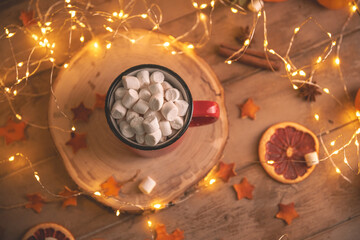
x,y
328,205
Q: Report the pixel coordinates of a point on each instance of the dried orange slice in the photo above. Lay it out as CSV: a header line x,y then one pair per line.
x,y
48,231
282,149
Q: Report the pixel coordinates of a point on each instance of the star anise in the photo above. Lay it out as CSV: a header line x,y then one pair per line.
x,y
309,91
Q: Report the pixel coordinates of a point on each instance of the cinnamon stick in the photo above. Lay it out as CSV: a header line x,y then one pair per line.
x,y
252,52
256,59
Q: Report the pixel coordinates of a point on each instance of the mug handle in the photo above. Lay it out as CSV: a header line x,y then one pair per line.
x,y
205,112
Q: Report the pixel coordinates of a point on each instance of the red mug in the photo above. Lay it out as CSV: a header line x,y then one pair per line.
x,y
199,112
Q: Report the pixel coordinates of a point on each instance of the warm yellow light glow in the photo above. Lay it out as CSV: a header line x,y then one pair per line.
x,y
110,20
357,113
27,74
96,44
212,181
157,205
266,43
149,223
15,92
294,73
259,14
356,142
329,34
202,17
10,35
296,30
247,42
202,6
37,176
316,116
166,44
353,8
18,116
173,52
333,43
295,87
302,73
121,14
73,27
271,51
43,30
336,152
190,46
97,193
319,60
234,10
108,46
144,15
229,62
66,65
73,128
337,170
47,24
337,60
35,37
332,143
82,24
132,40
326,90
67,1
212,3
358,131
345,160
109,29
12,158
82,39
69,6
52,60
7,89
117,212
195,4
270,162
20,64
115,14
288,67
72,13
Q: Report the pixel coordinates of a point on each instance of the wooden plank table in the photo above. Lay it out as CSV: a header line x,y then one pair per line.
x,y
327,204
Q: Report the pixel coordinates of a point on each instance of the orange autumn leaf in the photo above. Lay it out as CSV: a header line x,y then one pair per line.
x,y
69,198
244,189
77,141
13,131
81,112
225,171
161,233
357,100
100,101
27,17
287,212
248,109
36,201
111,187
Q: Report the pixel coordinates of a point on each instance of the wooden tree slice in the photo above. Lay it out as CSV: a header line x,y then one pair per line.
x,y
92,71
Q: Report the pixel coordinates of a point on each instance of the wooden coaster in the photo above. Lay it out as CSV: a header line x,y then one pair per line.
x,y
92,71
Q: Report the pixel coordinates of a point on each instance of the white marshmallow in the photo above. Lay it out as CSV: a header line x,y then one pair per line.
x,y
141,106
153,113
131,82
118,111
172,94
311,159
156,88
177,123
165,128
145,94
166,85
140,138
156,102
151,124
130,115
255,5
169,111
143,77
119,93
157,77
182,106
147,185
126,130
130,98
152,139
136,124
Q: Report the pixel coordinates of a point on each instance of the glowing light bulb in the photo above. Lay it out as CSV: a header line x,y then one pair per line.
x,y
108,46
336,152
319,60
15,92
72,13
35,37
212,181
73,27
47,24
18,116
326,90
96,44
82,24
149,223
110,19
144,15
20,64
247,42
353,8
73,128
333,43
121,14
295,87
288,67
229,62
259,14
358,131
302,73
11,158
202,17
66,65
337,60
27,74
271,51
212,3
202,6
37,176
270,162
345,160
67,1
337,170
195,4
234,10
296,30
97,193
115,14
294,73
332,143
82,39
157,205
173,52
117,212
166,44
356,142
52,60
329,34
43,30
266,43
357,113
316,116
132,40
190,46
109,29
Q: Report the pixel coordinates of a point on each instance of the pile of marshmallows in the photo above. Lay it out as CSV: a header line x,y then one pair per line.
x,y
148,109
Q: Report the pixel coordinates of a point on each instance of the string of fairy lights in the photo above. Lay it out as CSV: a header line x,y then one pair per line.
x,y
75,19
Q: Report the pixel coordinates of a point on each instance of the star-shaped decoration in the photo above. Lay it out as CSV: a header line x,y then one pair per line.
x,y
244,189
27,17
81,112
287,212
161,233
100,101
69,198
248,109
77,141
309,92
111,187
225,171
13,131
36,201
